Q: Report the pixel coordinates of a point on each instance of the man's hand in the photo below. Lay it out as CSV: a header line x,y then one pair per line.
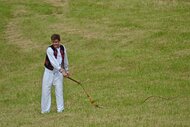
x,y
61,70
65,74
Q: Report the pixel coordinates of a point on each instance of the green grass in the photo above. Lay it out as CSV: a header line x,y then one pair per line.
x,y
123,51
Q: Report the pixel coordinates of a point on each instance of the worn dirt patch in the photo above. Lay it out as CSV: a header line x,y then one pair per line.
x,y
57,2
15,36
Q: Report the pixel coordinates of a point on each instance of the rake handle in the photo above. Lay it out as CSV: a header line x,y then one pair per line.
x,y
80,85
74,80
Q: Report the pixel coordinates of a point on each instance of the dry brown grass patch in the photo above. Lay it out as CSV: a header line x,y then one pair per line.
x,y
15,36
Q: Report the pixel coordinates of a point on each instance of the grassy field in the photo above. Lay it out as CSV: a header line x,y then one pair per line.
x,y
122,50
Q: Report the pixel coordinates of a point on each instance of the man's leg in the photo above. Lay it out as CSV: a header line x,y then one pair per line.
x,y
58,82
46,91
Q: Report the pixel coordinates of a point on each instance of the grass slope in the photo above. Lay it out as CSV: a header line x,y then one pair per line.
x,y
123,51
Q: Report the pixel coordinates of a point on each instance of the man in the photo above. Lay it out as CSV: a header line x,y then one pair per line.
x,y
56,66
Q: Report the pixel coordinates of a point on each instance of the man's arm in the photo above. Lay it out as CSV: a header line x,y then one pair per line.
x,y
65,67
66,63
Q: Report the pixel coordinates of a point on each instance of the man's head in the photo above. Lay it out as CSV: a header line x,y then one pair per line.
x,y
55,38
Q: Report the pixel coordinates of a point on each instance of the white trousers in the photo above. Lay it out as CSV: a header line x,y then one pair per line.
x,y
52,78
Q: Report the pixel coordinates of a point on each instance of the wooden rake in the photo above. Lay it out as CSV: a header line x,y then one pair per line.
x,y
89,97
